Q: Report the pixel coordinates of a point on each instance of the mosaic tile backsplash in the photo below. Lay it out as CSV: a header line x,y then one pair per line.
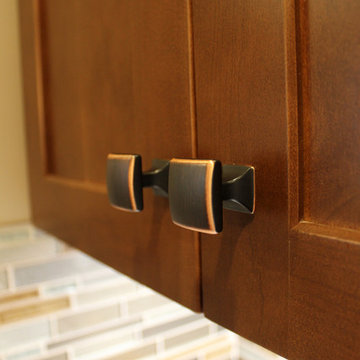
x,y
56,303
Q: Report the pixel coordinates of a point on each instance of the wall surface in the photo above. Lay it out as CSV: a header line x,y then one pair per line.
x,y
57,303
14,196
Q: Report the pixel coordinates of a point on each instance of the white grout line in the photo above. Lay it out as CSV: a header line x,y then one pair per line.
x,y
78,281
54,329
41,290
10,277
213,328
70,353
73,302
123,308
32,232
160,344
43,347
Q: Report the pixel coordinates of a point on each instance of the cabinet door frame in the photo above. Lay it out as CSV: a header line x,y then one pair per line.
x,y
324,256
316,314
145,246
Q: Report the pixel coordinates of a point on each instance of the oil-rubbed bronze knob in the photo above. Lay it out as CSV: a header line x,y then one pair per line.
x,y
125,180
199,189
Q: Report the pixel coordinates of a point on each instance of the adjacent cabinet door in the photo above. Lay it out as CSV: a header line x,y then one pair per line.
x,y
270,83
110,76
278,87
241,97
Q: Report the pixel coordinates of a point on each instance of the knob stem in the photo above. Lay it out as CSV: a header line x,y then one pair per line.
x,y
238,188
157,177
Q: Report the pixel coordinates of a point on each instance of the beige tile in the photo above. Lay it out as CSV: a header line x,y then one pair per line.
x,y
114,290
170,324
60,287
27,250
24,354
39,259
9,234
90,333
146,302
19,295
220,351
169,309
88,318
138,353
104,274
97,345
189,349
187,336
3,280
72,264
33,309
20,334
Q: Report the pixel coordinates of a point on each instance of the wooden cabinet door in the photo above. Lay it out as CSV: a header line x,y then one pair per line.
x,y
100,77
324,288
241,96
277,87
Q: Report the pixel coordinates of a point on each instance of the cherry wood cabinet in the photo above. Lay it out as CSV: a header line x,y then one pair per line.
x,y
241,97
105,77
324,237
270,83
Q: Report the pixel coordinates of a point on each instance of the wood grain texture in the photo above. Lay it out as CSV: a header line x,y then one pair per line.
x,y
110,77
300,129
325,297
325,245
118,61
242,119
330,49
277,86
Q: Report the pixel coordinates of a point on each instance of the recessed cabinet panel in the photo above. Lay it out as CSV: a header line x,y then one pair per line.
x,y
106,77
330,118
115,73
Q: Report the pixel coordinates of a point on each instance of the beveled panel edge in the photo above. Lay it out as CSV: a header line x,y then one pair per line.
x,y
39,75
336,233
292,109
41,104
